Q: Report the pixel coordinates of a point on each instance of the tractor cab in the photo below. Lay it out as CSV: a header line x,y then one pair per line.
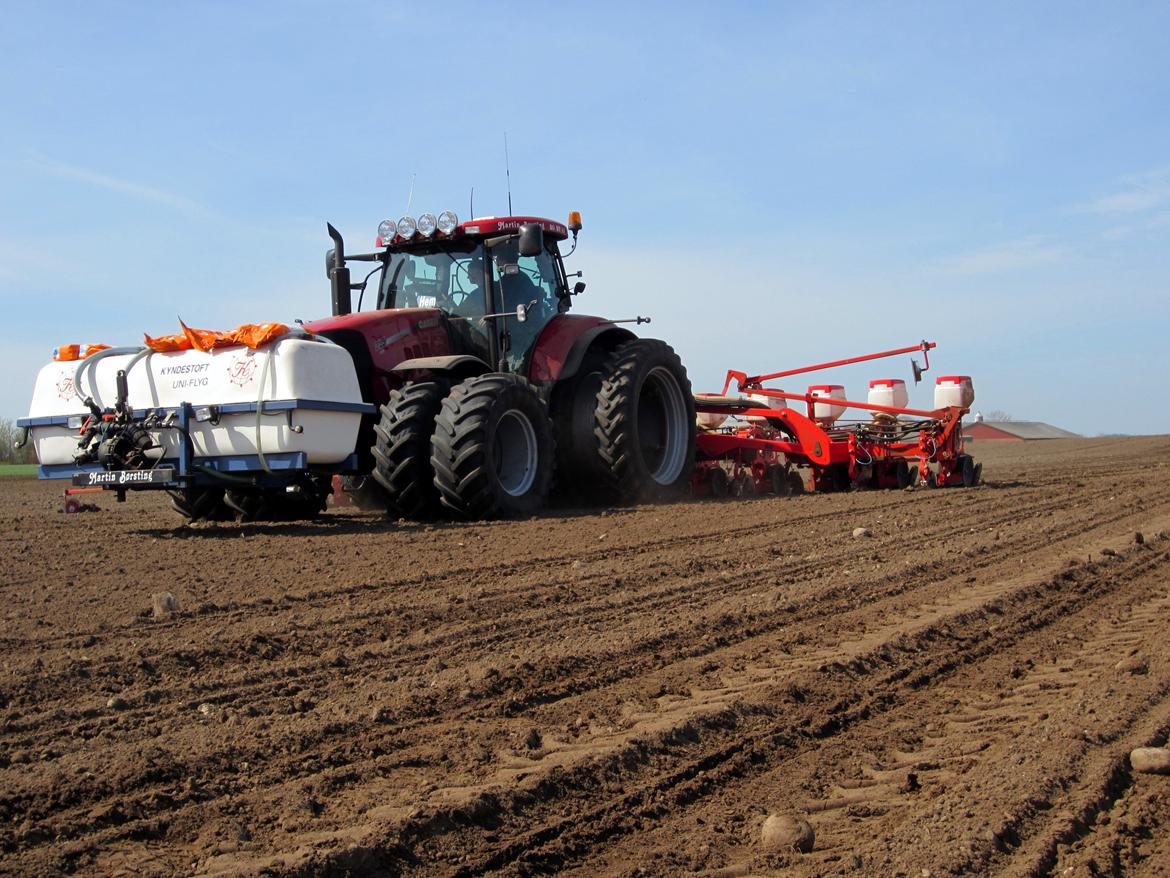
x,y
498,281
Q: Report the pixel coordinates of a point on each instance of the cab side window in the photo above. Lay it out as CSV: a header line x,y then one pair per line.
x,y
532,281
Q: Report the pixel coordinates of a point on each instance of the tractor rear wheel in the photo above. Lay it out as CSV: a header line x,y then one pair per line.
x,y
644,422
402,449
492,448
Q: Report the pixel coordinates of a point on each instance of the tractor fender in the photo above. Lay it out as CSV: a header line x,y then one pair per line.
x,y
601,335
456,365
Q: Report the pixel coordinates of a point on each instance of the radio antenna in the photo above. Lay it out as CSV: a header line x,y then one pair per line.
x,y
471,207
410,196
508,173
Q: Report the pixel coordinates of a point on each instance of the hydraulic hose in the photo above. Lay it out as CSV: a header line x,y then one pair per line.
x,y
92,360
226,477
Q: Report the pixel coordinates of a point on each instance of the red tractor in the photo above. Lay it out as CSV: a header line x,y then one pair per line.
x,y
488,390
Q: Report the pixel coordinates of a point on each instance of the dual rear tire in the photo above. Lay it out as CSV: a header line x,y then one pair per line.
x,y
622,430
644,424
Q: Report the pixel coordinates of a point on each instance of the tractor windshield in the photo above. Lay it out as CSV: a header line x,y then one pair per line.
x,y
446,276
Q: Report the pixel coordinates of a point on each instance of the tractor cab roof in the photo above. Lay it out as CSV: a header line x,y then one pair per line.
x,y
392,235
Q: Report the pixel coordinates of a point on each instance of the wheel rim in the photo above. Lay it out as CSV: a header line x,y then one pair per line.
x,y
662,426
516,453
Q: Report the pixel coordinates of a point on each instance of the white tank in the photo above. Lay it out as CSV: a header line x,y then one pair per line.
x,y
953,390
888,391
308,384
825,412
765,402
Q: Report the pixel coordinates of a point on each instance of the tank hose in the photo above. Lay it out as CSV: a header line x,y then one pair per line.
x,y
226,477
93,359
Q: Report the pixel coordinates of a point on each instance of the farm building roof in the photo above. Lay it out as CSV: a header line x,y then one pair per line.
x,y
1029,429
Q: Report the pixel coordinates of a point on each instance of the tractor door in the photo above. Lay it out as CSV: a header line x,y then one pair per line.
x,y
532,281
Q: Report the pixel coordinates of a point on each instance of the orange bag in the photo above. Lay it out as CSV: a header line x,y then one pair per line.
x,y
256,335
166,344
66,352
251,334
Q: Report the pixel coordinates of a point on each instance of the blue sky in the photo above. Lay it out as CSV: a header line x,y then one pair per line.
x,y
776,183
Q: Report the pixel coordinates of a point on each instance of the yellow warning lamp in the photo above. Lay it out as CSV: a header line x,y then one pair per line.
x,y
574,221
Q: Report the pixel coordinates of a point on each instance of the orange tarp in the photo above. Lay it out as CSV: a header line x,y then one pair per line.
x,y
64,353
254,335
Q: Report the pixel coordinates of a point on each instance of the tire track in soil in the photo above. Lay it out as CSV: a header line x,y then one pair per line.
x,y
132,783
847,696
912,787
320,749
461,845
654,600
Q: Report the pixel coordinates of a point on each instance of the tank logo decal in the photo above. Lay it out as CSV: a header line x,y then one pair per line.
x,y
183,368
65,387
242,370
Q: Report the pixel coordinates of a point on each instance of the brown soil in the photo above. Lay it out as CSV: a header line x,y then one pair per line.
x,y
624,693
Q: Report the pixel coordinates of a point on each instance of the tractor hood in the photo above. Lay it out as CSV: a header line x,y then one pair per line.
x,y
390,335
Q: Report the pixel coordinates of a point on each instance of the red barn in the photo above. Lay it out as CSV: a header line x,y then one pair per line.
x,y
1015,431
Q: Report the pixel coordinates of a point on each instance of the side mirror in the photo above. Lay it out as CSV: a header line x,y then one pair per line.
x,y
521,313
531,239
578,288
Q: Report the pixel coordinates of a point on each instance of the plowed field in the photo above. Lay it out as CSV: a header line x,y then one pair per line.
x,y
623,693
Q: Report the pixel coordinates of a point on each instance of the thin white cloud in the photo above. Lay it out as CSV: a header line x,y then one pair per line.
x,y
140,191
1136,229
1009,256
1139,193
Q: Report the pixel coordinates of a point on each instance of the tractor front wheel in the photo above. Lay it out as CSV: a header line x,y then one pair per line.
x,y
402,449
492,448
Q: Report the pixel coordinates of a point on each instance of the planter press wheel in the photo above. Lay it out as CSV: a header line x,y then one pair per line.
x,y
967,468
903,474
781,485
720,484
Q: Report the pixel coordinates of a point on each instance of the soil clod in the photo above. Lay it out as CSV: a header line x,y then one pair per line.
x,y
1150,760
164,604
785,832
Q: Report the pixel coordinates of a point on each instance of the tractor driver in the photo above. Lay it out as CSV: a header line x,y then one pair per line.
x,y
475,296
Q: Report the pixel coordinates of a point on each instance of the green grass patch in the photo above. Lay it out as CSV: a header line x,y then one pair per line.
x,y
18,469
